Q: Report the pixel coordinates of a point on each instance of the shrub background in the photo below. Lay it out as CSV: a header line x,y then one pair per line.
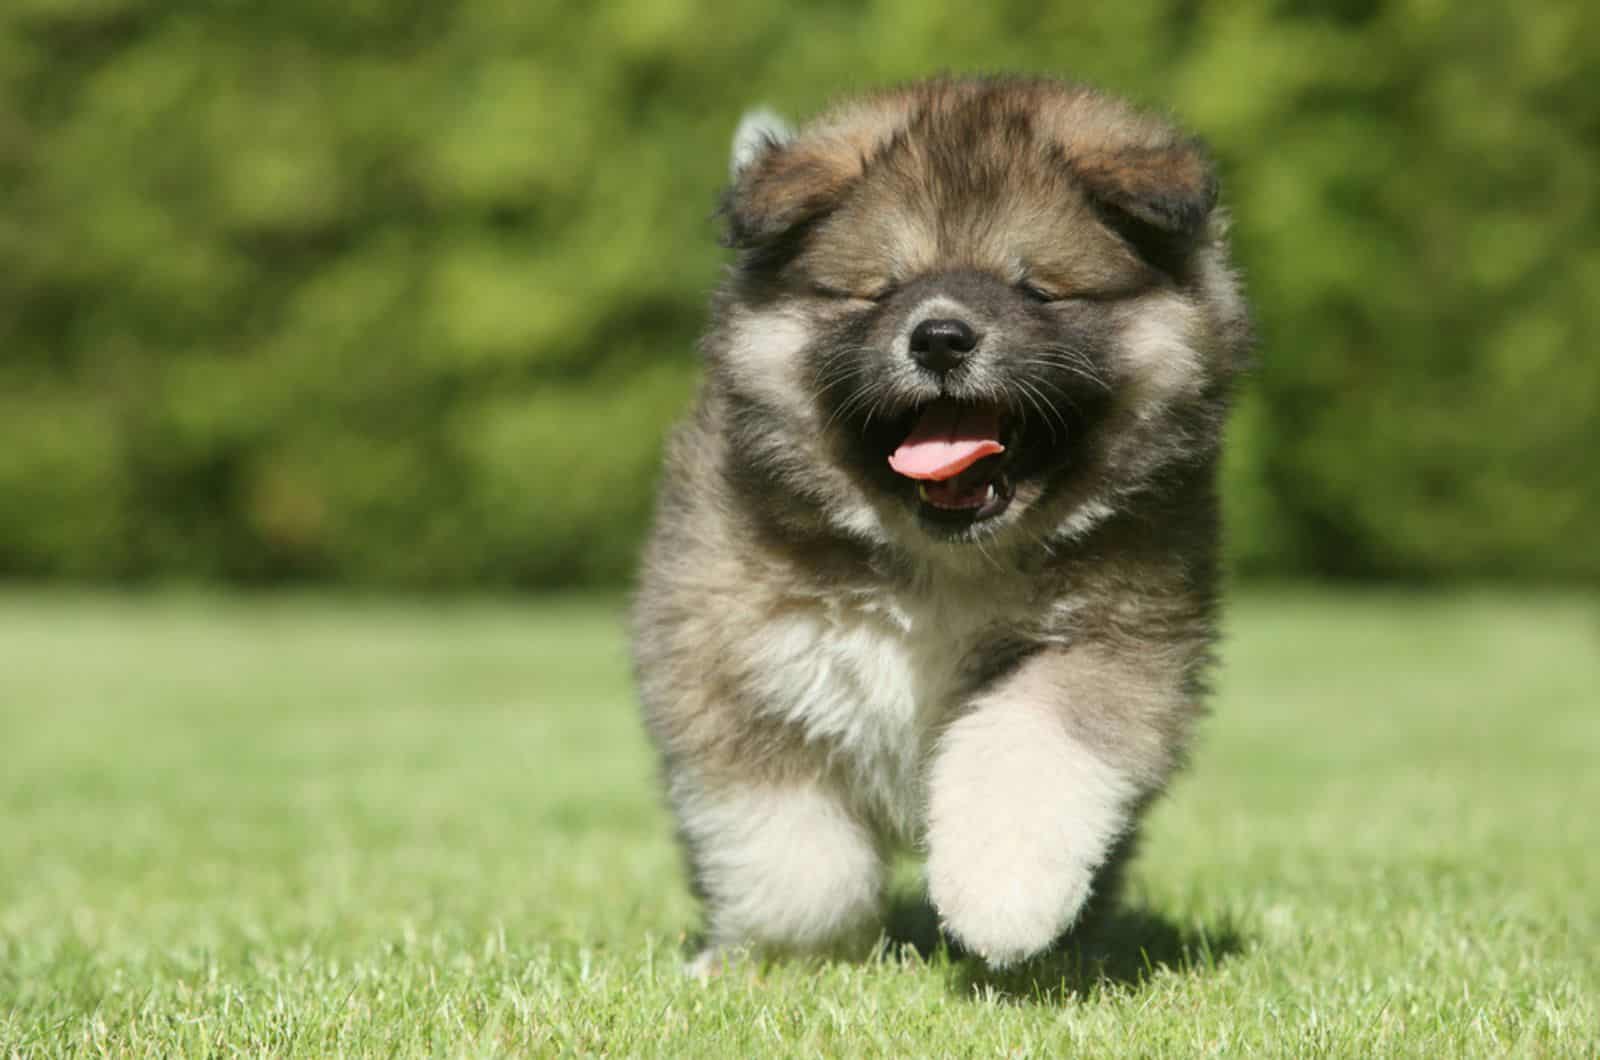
x,y
404,293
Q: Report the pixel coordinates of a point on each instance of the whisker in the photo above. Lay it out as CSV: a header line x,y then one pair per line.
x,y
1046,386
1030,394
842,359
1071,358
858,397
1048,412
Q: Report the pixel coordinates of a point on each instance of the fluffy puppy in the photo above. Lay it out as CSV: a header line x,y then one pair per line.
x,y
935,556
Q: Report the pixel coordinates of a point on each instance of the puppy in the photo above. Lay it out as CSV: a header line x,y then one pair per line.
x,y
935,556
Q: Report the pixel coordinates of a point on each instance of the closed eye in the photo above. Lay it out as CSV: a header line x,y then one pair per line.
x,y
877,294
1045,296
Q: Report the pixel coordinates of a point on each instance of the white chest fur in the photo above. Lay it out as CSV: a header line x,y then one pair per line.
x,y
870,681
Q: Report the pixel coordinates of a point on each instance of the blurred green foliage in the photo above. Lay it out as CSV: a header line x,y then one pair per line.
x,y
405,293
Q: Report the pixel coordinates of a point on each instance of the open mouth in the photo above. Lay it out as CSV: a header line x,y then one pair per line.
x,y
956,453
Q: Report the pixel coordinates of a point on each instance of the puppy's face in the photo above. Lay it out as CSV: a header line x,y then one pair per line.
x,y
959,298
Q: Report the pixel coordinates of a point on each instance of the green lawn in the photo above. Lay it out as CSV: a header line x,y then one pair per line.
x,y
305,826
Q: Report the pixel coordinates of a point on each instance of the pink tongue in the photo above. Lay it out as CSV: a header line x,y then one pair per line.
x,y
948,439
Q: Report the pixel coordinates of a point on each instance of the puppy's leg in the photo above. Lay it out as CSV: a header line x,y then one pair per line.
x,y
1029,794
781,866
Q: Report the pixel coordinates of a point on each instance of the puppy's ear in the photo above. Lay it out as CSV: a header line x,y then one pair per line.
x,y
1157,198
779,183
760,130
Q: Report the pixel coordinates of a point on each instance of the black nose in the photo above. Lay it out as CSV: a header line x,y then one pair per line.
x,y
940,345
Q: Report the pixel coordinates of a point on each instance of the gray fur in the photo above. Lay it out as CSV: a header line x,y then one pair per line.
x,y
825,670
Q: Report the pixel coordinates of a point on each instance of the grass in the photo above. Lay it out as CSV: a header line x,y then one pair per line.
x,y
307,826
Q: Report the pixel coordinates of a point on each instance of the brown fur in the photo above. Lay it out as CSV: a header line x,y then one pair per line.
x,y
790,570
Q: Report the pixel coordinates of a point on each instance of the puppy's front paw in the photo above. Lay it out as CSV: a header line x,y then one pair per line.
x,y
1002,901
1020,817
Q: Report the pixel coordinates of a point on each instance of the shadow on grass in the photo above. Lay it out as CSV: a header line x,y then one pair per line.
x,y
1120,947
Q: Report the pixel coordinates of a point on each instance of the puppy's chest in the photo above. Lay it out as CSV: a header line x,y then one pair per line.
x,y
869,684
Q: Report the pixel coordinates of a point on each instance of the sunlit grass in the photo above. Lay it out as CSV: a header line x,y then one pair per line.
x,y
303,825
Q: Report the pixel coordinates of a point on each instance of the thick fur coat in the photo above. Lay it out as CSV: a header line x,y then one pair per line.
x,y
935,556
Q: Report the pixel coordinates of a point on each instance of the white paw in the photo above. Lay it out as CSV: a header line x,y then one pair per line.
x,y
1007,909
713,962
783,867
706,965
1020,817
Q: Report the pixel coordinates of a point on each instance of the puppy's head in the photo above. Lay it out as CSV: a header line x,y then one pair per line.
x,y
970,306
